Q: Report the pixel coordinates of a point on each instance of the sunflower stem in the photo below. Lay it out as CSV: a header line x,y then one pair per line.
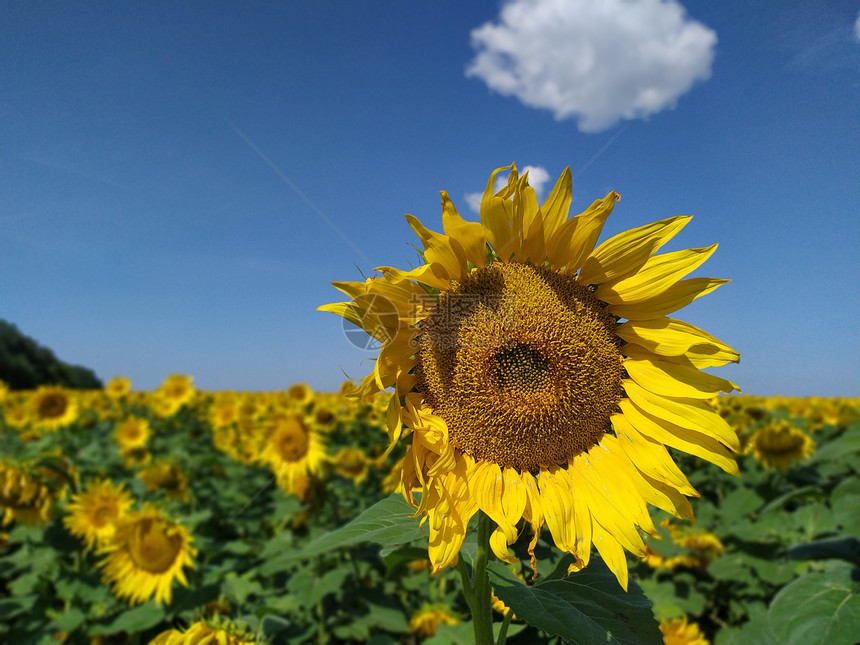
x,y
482,615
503,630
467,584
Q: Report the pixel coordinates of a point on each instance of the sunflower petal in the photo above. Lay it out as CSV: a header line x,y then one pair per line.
x,y
669,337
676,297
627,252
574,240
670,379
470,234
657,274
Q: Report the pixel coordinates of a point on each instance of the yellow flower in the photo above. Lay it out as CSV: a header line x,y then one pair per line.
x,y
292,450
168,477
176,390
426,621
350,463
132,433
23,496
780,444
92,513
145,555
203,633
541,377
52,407
679,632
300,393
118,386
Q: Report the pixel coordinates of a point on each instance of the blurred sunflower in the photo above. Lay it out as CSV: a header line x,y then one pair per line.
x,y
205,632
780,444
425,622
300,394
167,476
292,450
174,392
118,386
52,407
92,513
146,553
23,495
541,377
680,632
132,433
350,463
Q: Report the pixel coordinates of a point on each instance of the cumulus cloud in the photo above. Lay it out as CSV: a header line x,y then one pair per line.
x,y
538,176
857,28
597,62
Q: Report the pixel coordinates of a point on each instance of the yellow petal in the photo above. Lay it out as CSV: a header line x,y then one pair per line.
x,y
689,413
557,503
678,296
557,204
627,252
494,216
574,240
650,457
443,249
669,337
670,379
500,546
612,553
695,443
657,274
470,234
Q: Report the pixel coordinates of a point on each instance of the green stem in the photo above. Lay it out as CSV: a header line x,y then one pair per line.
x,y
467,584
503,631
482,615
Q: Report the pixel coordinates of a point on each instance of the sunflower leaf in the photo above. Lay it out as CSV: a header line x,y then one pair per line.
x,y
388,523
586,607
821,608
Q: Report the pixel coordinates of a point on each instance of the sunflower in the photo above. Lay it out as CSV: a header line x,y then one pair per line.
x,y
300,394
541,377
203,632
92,513
680,632
351,463
118,387
176,391
425,622
23,495
168,477
52,407
146,553
132,433
780,444
292,450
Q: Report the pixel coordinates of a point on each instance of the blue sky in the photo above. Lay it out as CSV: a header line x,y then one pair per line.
x,y
182,181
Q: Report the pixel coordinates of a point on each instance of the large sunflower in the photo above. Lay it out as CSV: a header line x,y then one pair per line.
x,y
52,407
540,377
146,553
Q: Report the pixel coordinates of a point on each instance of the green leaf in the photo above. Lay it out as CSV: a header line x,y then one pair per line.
x,y
238,588
755,631
837,449
387,522
845,500
819,608
814,520
70,621
586,607
739,503
133,620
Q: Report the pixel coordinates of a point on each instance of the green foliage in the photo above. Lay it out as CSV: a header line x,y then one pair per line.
x,y
25,365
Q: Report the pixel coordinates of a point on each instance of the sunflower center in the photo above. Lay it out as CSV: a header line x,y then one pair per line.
x,y
53,406
151,547
291,441
523,365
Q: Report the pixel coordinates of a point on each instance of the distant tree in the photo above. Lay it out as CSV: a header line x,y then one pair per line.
x,y
25,365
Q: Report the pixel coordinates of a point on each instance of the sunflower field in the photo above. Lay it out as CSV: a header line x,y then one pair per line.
x,y
183,516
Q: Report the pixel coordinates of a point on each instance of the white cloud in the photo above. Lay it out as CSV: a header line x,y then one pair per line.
x,y
857,27
538,176
597,62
